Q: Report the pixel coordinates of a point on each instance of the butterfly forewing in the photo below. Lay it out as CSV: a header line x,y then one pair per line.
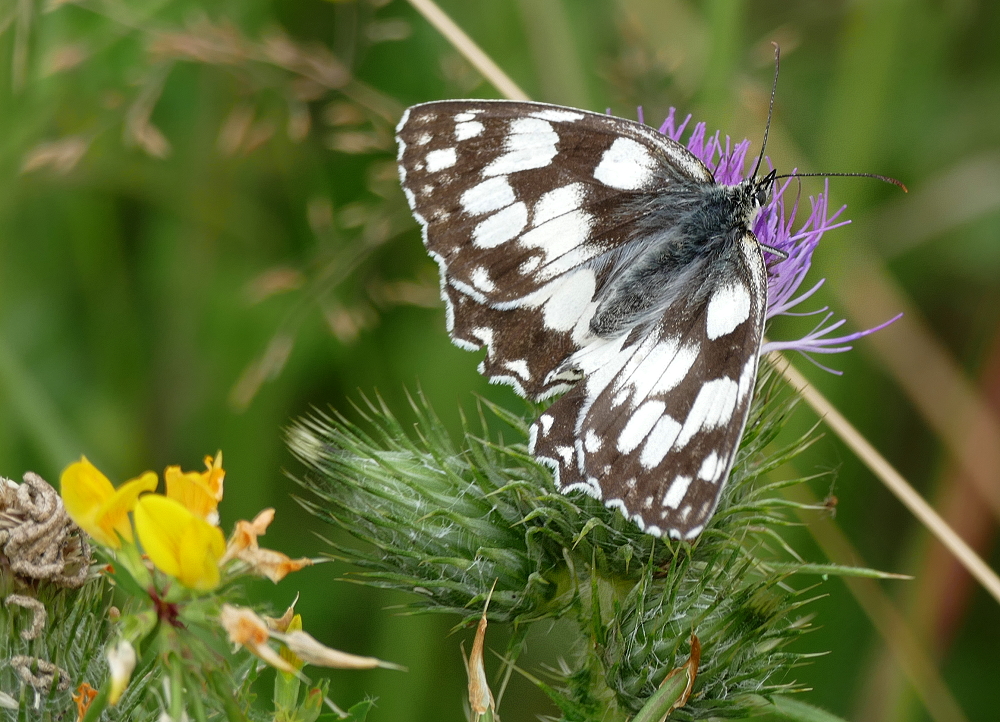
x,y
537,216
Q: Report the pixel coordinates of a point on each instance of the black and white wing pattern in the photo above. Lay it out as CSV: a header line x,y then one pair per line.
x,y
593,255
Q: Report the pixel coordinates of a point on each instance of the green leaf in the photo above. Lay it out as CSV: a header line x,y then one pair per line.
x,y
664,700
792,709
359,712
834,570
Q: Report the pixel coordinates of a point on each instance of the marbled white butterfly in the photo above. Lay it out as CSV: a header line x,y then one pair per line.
x,y
593,255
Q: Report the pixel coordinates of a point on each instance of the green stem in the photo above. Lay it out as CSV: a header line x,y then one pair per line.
x,y
199,706
176,689
663,700
796,711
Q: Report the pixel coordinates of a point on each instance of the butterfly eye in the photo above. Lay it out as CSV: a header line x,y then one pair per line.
x,y
761,196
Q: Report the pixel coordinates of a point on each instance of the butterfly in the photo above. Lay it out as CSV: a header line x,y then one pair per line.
x,y
594,257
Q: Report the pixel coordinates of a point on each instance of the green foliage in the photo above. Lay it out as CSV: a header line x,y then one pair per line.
x,y
154,310
74,637
445,520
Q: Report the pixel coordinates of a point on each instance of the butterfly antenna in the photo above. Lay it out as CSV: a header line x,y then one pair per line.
x,y
770,107
876,176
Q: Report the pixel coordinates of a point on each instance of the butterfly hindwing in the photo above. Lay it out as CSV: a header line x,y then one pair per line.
x,y
654,426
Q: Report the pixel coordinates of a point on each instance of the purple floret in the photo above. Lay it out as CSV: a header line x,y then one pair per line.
x,y
773,228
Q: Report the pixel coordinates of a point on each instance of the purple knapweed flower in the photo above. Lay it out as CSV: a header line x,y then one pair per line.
x,y
774,228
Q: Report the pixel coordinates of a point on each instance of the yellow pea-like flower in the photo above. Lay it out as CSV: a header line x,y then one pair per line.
x,y
179,542
96,506
199,491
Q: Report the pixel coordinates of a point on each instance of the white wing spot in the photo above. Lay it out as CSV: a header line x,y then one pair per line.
x,y
483,334
639,425
488,196
530,144
557,202
754,259
626,165
573,258
422,139
713,407
438,160
565,453
617,504
520,367
557,114
675,494
568,300
709,470
529,265
592,442
468,129
650,370
585,487
727,309
546,421
747,377
660,439
562,240
467,116
501,227
480,278
677,369
636,355
694,531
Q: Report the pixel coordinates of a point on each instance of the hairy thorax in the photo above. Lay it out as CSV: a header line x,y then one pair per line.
x,y
692,239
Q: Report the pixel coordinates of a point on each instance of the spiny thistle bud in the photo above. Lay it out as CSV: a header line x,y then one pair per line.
x,y
444,521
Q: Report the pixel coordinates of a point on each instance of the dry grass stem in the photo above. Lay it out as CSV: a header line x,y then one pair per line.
x,y
469,50
929,374
906,647
890,477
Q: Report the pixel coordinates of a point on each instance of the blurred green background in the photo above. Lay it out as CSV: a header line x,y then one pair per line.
x,y
202,238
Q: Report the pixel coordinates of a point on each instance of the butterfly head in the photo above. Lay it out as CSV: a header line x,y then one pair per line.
x,y
762,189
752,195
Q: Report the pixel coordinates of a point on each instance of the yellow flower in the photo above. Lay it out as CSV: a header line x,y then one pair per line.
x,y
294,624
96,506
199,491
179,542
